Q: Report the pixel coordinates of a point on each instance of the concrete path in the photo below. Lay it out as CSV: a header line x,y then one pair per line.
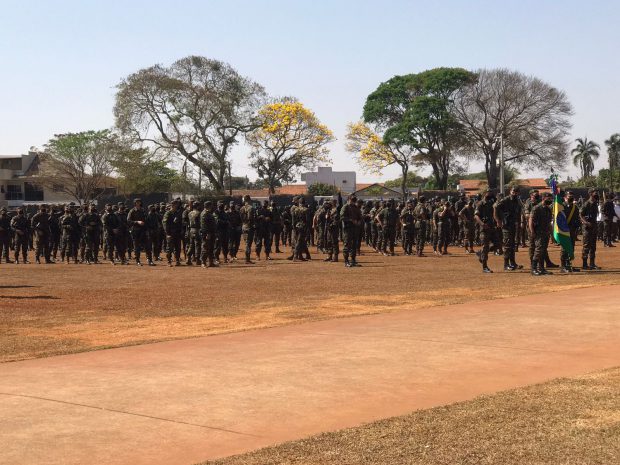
x,y
186,401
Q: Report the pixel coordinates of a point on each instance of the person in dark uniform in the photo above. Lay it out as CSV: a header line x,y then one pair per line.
x,y
234,217
248,221
444,226
608,211
407,219
136,220
195,238
332,230
466,215
388,219
40,227
571,210
222,224
208,230
173,228
588,215
351,218
276,226
91,228
262,238
540,231
484,216
21,229
5,234
70,238
507,213
422,216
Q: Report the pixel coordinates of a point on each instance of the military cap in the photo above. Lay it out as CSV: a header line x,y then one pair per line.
x,y
533,191
120,204
208,204
135,201
422,198
592,190
3,210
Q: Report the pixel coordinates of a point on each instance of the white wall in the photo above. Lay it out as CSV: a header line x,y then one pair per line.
x,y
343,180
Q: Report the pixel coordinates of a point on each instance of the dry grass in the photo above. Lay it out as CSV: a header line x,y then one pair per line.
x,y
569,421
58,309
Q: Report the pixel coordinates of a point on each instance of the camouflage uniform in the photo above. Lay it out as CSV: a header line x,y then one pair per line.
x,y
5,235
540,218
351,217
173,228
40,227
21,227
70,238
485,213
195,238
248,221
208,229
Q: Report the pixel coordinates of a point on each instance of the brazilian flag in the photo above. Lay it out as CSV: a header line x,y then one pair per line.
x,y
561,232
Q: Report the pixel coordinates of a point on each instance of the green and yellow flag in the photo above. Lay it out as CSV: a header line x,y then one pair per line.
x,y
561,231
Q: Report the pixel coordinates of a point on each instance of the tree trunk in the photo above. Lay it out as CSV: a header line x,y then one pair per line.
x,y
403,184
492,169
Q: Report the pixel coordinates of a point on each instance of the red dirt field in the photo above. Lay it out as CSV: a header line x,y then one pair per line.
x,y
58,309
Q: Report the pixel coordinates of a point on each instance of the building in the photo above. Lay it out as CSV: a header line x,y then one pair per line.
x,y
16,185
377,191
344,181
476,186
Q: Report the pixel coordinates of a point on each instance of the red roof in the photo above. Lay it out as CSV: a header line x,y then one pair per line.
x,y
477,185
291,189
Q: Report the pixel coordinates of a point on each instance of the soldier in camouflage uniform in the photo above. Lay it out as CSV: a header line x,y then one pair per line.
x,y
407,219
208,230
319,227
540,231
136,220
122,237
276,226
110,223
588,215
91,228
484,216
466,216
54,232
332,229
367,216
234,217
444,227
287,227
70,238
459,225
40,226
248,221
388,219
195,238
507,216
173,228
351,217
574,224
422,216
374,227
5,234
263,230
222,223
21,228
299,218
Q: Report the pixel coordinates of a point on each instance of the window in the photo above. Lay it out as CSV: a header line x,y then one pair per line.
x,y
33,192
344,181
14,192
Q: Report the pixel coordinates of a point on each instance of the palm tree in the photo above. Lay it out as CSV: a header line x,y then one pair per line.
x,y
584,155
613,150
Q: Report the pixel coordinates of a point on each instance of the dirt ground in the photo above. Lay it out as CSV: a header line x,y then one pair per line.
x,y
571,421
57,309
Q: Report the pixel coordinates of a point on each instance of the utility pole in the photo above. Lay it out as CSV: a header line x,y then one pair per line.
x,y
230,178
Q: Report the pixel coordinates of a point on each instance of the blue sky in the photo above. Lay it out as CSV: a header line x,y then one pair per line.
x,y
60,60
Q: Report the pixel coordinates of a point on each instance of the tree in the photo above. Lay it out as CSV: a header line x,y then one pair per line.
x,y
290,137
412,181
584,155
613,152
319,188
197,109
78,164
532,118
140,172
374,154
413,111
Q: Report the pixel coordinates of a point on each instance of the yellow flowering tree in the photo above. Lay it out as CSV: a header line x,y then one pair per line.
x,y
290,137
374,154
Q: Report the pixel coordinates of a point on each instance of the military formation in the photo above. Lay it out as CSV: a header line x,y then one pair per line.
x,y
211,233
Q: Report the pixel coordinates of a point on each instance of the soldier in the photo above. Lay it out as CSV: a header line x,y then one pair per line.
x,y
540,231
466,217
572,220
173,228
361,228
299,218
407,219
195,238
287,227
111,225
248,222
351,217
208,230
435,227
374,227
5,234
444,227
222,222
70,239
185,235
588,215
458,222
332,227
368,220
422,216
484,217
136,220
234,217
40,227
122,236
388,219
152,233
21,228
276,226
262,237
609,214
507,213
54,232
91,227
319,227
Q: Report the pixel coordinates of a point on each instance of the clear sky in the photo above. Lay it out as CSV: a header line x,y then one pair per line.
x,y
60,60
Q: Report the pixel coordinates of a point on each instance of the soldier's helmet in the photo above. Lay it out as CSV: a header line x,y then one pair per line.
x,y
247,198
208,204
422,198
137,201
3,210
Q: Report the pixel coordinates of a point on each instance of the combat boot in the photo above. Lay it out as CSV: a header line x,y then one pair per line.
x,y
507,265
585,264
247,260
593,264
211,263
535,271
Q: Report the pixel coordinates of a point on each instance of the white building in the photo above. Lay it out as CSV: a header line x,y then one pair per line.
x,y
342,180
15,186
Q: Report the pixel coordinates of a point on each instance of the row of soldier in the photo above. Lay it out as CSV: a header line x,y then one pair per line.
x,y
208,233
